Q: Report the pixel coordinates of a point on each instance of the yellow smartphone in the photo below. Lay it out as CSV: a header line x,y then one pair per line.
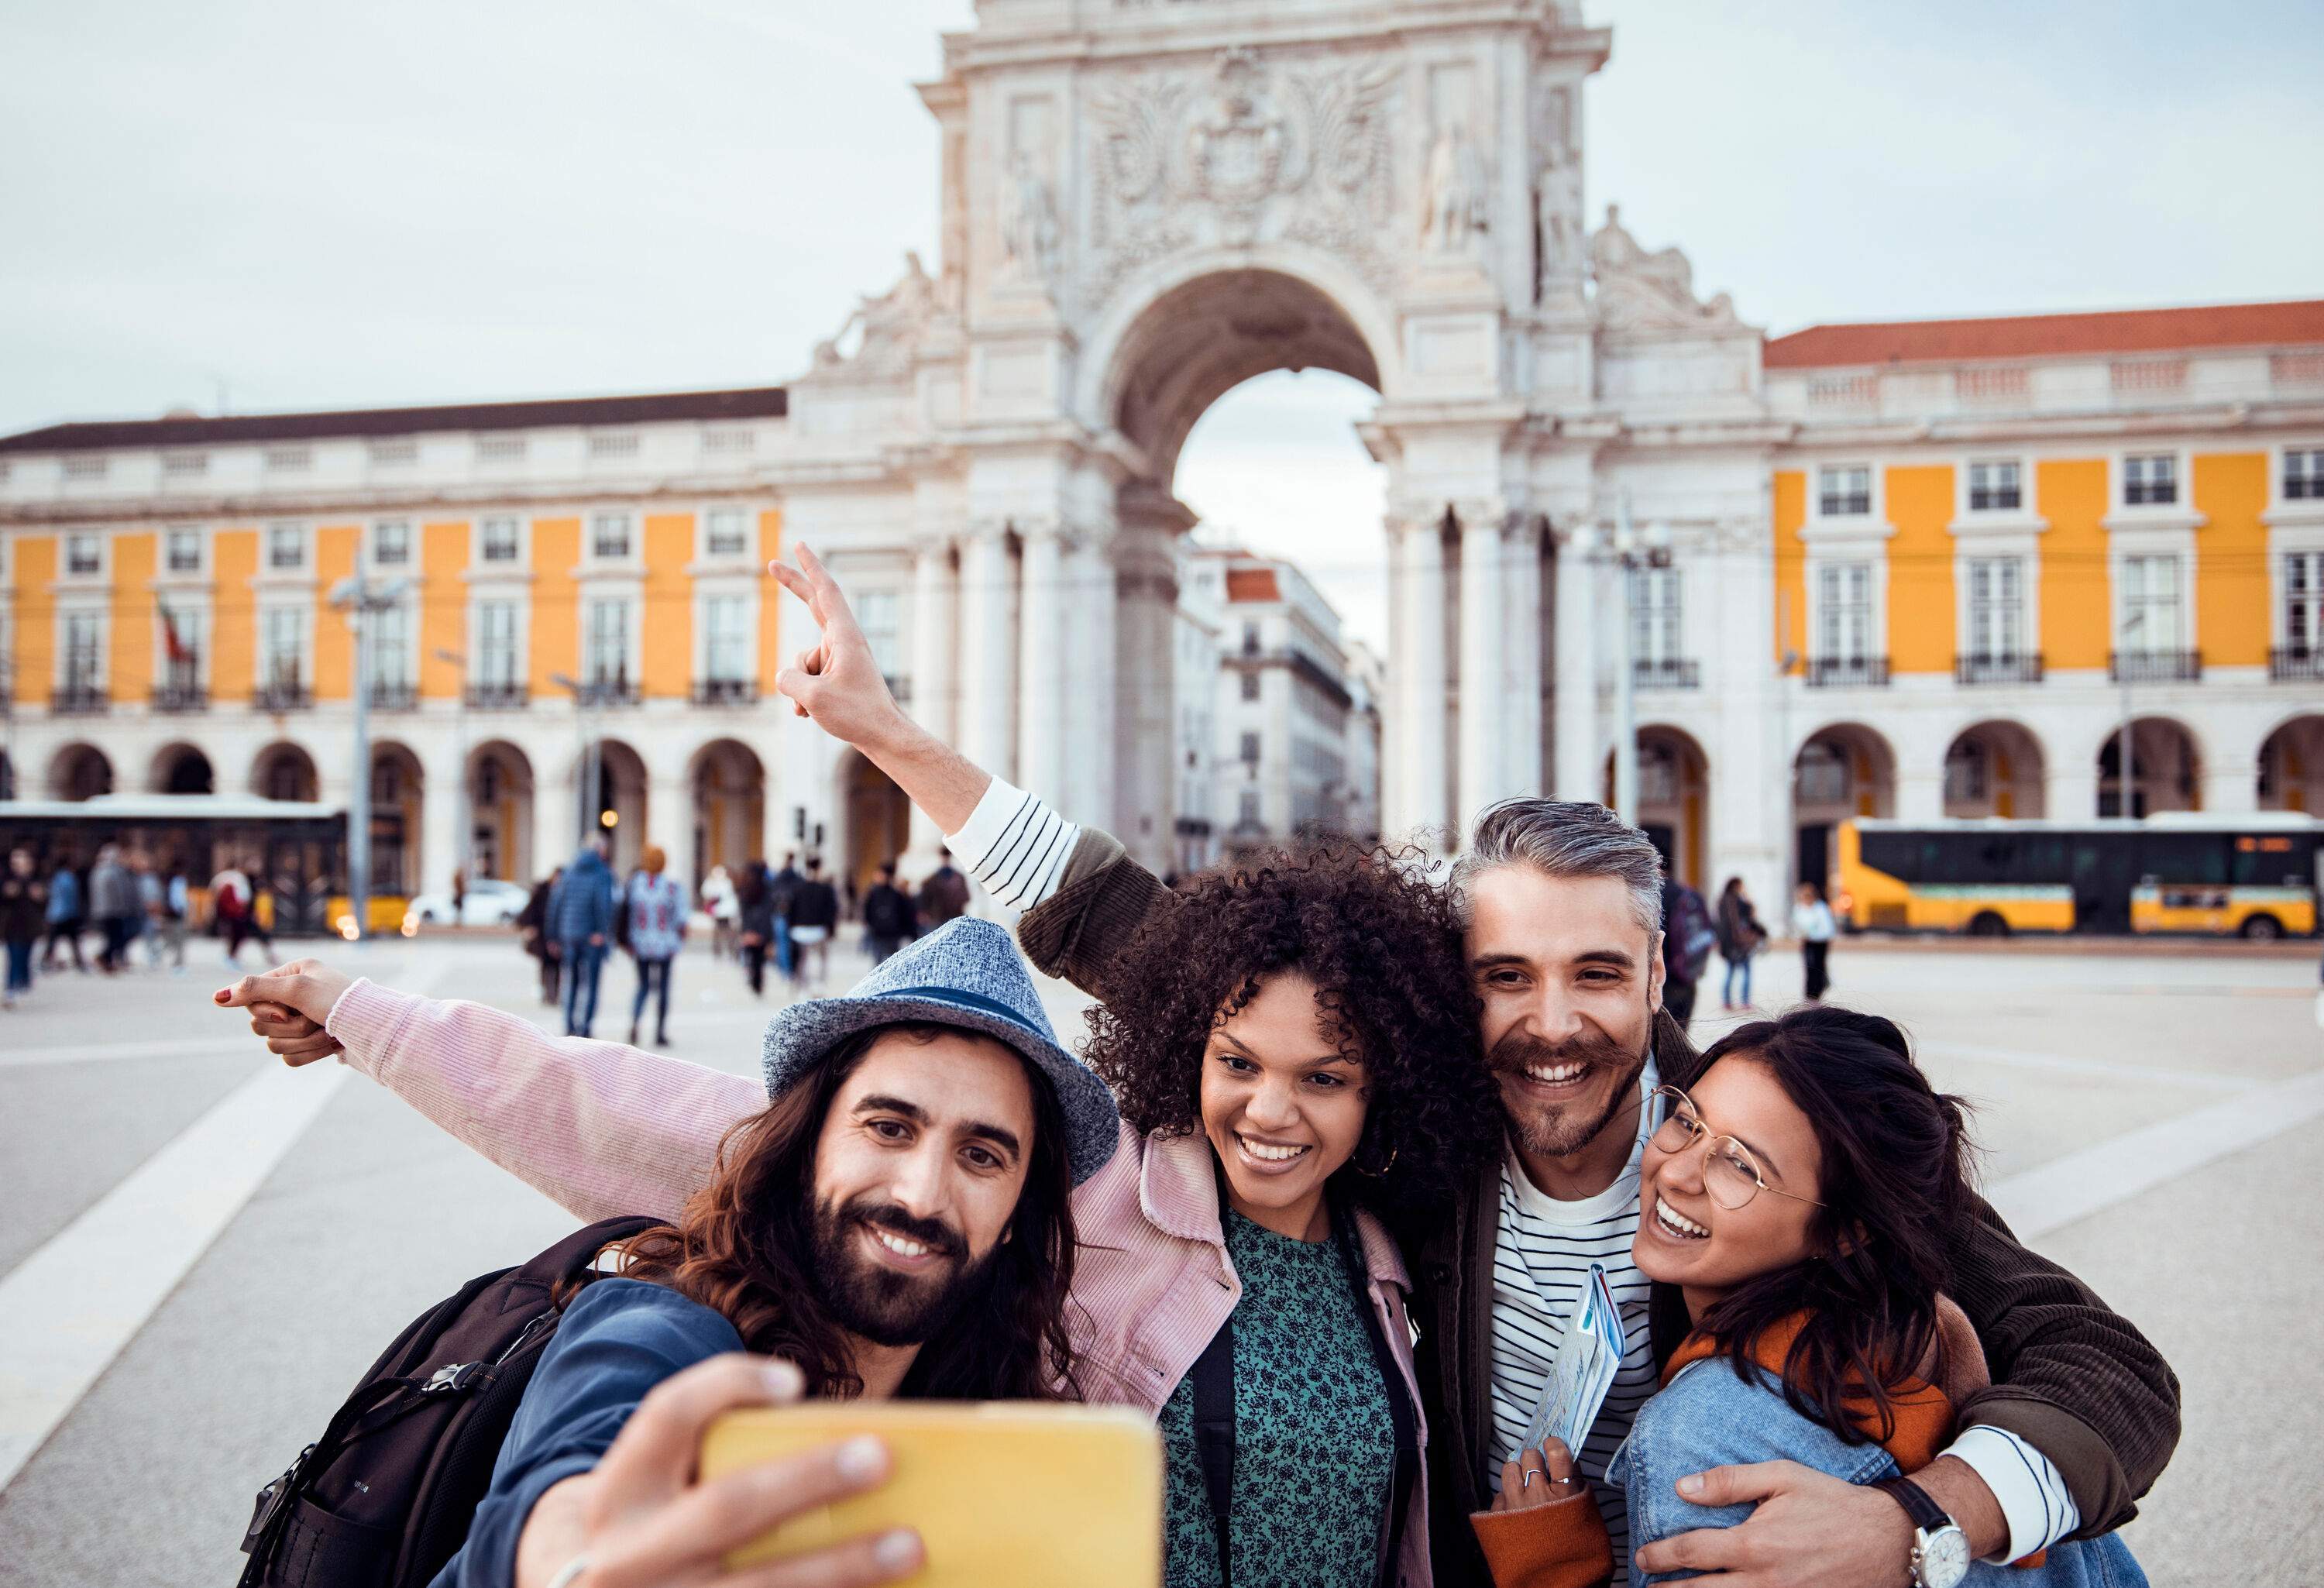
x,y
1024,1493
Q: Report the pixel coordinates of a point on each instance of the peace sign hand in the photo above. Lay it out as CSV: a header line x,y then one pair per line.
x,y
836,681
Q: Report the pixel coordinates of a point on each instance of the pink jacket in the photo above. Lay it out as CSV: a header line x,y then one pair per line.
x,y
603,1130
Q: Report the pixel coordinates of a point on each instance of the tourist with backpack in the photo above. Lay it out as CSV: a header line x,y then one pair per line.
x,y
895,1222
1689,935
580,919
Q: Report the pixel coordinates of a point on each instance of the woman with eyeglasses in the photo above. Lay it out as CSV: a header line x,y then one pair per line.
x,y
1794,1200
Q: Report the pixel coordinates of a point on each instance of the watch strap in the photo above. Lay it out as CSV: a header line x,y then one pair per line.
x,y
1927,1515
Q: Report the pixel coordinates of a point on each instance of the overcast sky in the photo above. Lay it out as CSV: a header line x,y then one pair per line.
x,y
273,204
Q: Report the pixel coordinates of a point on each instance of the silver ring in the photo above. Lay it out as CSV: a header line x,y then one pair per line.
x,y
570,1572
1527,1475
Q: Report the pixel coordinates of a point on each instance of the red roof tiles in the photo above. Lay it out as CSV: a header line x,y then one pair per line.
x,y
2039,336
1252,584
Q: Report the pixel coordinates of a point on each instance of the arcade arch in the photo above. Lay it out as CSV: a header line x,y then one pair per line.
x,y
2166,769
397,786
1846,769
879,821
80,771
500,812
617,801
2292,767
730,808
182,768
284,770
1674,798
1995,769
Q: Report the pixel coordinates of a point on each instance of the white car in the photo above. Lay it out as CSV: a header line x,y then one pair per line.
x,y
488,902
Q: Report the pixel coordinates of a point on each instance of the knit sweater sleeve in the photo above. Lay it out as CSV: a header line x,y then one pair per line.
x,y
2072,1377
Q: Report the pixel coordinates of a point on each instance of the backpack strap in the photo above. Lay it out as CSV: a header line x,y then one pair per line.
x,y
1214,1436
1401,1419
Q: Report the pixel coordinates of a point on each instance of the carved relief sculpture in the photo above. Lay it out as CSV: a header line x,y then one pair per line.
x,y
1650,292
1453,194
1558,209
1028,221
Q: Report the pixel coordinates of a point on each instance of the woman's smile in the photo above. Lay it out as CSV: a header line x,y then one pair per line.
x,y
1263,1156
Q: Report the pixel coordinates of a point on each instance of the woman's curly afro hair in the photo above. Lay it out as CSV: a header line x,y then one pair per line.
x,y
1383,949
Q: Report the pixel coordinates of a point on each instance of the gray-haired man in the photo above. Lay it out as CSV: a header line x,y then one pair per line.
x,y
1562,908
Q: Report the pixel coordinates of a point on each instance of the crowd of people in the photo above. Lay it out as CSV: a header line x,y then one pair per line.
x,y
123,897
1318,1197
787,914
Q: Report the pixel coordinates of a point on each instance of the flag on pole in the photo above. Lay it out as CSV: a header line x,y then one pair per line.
x,y
172,644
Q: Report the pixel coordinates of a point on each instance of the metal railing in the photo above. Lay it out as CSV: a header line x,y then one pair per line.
x,y
2154,667
179,695
1665,672
2296,664
79,698
613,692
394,695
509,695
1846,673
725,691
2006,668
282,695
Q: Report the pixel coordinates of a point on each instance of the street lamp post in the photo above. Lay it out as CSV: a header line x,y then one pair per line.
x,y
465,848
359,598
584,696
1629,553
2126,773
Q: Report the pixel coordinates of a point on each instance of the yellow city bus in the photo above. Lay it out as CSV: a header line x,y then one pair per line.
x,y
2254,876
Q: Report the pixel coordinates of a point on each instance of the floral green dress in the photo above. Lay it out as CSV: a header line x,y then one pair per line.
x,y
1314,1441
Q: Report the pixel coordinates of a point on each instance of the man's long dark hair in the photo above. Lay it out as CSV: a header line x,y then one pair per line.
x,y
743,1247
1894,1179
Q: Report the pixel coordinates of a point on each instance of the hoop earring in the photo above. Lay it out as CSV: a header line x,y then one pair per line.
x,y
1380,1172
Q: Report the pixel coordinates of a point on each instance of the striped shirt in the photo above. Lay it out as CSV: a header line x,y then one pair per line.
x,y
1017,847
1542,1252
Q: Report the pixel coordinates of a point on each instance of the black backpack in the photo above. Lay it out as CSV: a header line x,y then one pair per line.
x,y
387,1493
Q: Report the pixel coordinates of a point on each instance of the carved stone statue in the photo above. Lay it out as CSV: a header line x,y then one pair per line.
x,y
1028,220
1640,290
1557,207
1453,195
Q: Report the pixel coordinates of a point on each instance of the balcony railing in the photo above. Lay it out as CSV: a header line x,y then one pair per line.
x,y
1998,669
725,691
1665,672
1848,673
179,695
613,692
2304,664
2155,667
79,698
394,694
509,695
281,694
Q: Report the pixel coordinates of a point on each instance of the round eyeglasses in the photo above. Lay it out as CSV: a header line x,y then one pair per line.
x,y
1729,1173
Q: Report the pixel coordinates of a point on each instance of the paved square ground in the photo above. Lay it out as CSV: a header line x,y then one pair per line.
x,y
2140,1111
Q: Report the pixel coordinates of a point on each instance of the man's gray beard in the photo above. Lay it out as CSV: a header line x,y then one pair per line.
x,y
1559,1133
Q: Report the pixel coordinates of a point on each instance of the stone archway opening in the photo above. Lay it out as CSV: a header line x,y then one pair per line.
x,y
2166,770
1674,800
397,784
1994,770
730,808
284,770
500,812
2292,767
80,771
879,822
182,768
1843,770
616,803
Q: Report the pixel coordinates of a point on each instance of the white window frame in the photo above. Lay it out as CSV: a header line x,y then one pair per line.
x,y
1995,558
267,568
704,553
199,611
519,639
1876,509
632,638
398,666
102,574
1644,613
706,600
165,572
2181,484
302,621
2310,548
2118,601
1875,606
486,568
410,566
1964,504
631,559
100,615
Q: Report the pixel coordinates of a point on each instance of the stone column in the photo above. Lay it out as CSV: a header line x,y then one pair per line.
x,y
1521,661
935,674
2069,788
443,803
1484,703
1091,671
2230,786
1423,702
1580,752
1730,599
669,820
1919,793
987,651
1146,586
1041,659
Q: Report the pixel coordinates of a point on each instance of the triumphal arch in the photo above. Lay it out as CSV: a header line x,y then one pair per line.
x,y
1147,202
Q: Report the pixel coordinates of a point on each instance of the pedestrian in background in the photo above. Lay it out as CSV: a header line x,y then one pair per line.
x,y
888,919
171,899
532,925
813,915
1688,938
755,903
945,895
581,917
234,898
23,902
1812,923
724,909
113,901
65,917
783,887
1739,936
654,904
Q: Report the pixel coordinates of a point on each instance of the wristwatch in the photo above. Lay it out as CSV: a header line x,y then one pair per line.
x,y
1940,1548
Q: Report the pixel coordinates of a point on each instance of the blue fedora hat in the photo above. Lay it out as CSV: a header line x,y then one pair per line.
x,y
966,974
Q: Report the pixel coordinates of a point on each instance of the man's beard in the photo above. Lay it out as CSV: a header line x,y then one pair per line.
x,y
879,1303
1561,1129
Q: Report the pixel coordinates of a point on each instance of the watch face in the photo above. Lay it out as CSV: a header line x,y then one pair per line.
x,y
1945,1557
